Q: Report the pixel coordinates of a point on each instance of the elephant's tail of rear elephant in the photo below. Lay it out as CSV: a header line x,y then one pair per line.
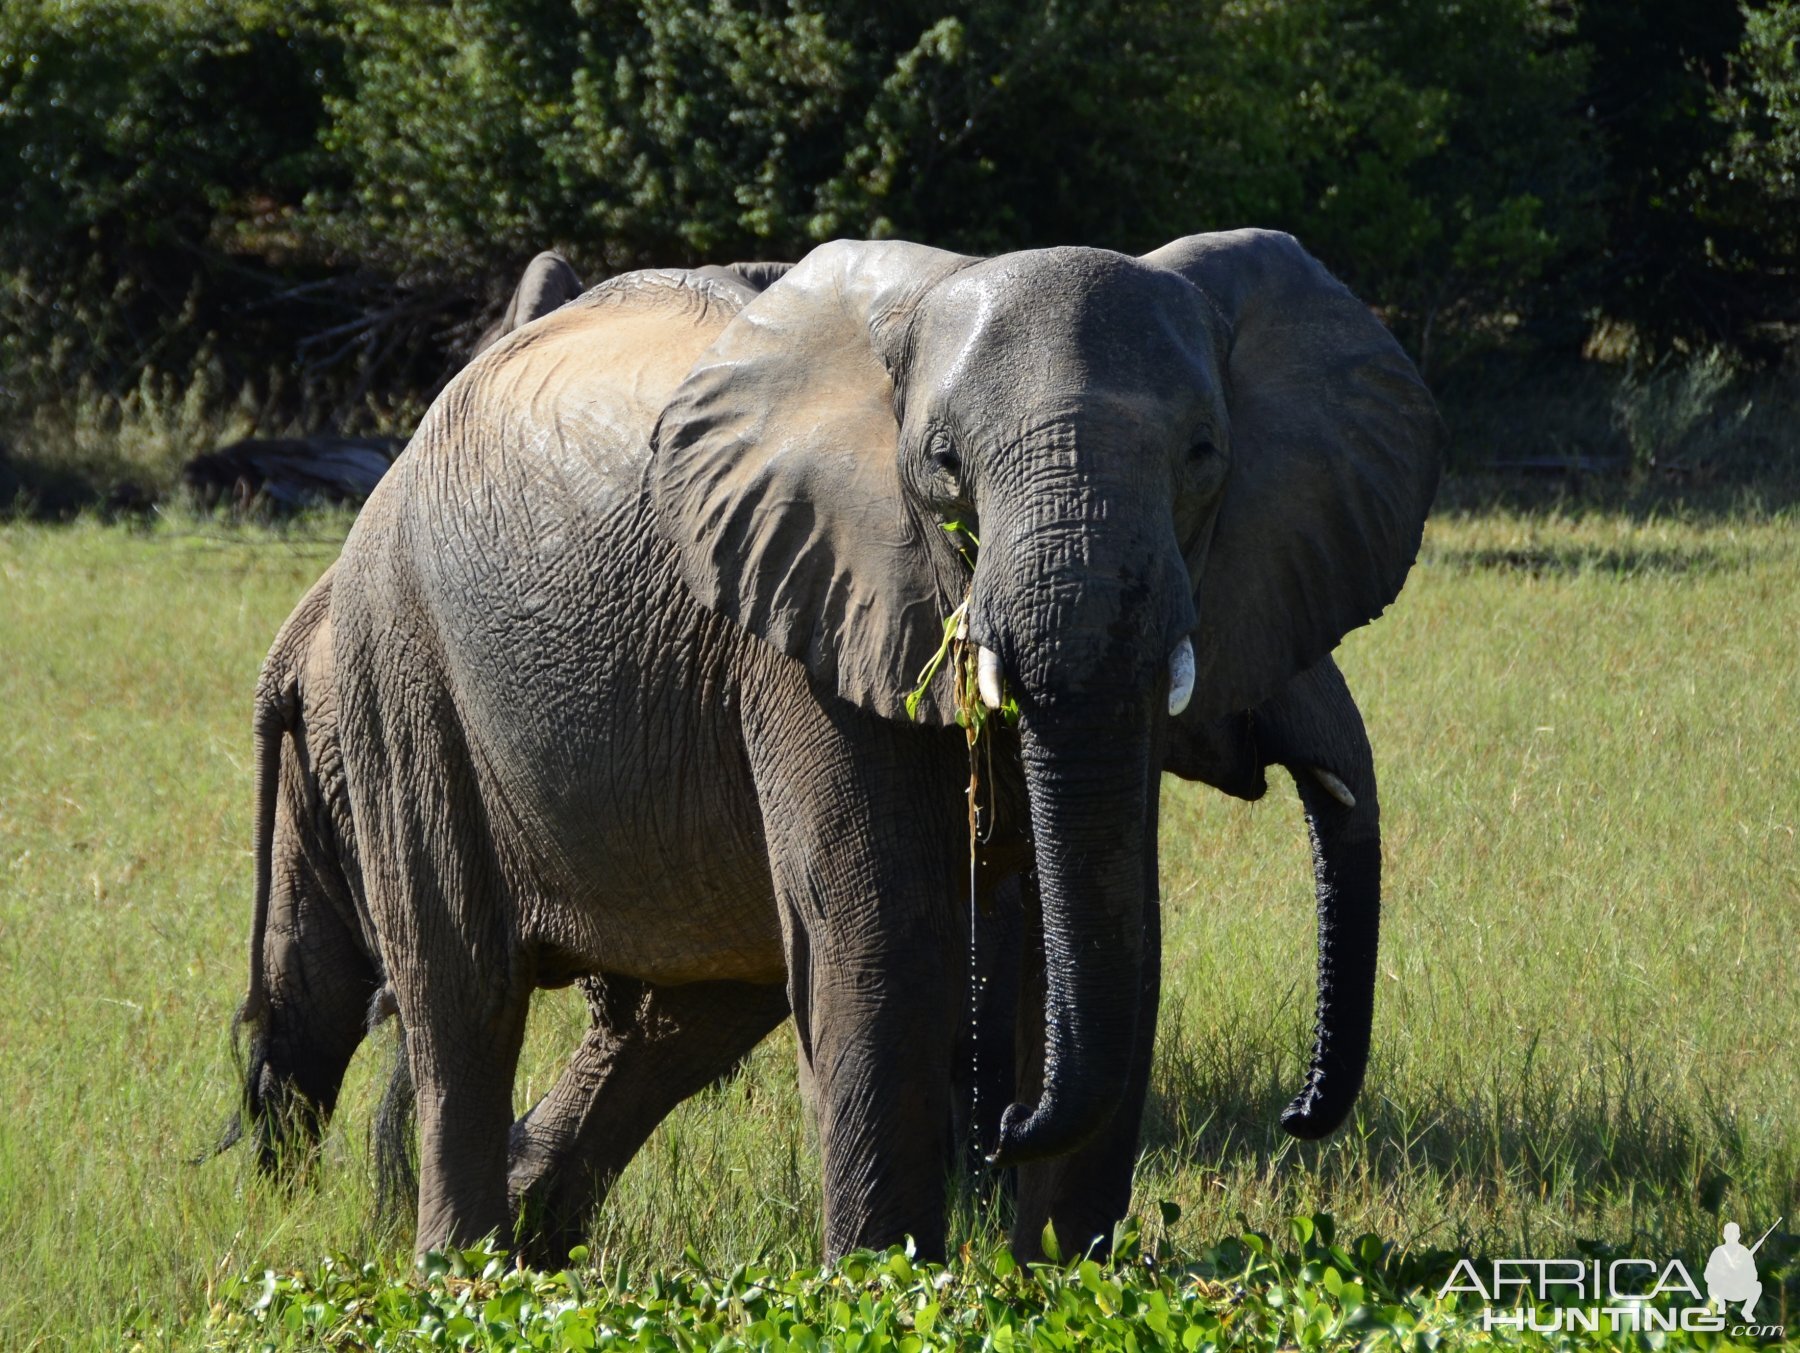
x,y
392,1136
274,718
277,709
276,715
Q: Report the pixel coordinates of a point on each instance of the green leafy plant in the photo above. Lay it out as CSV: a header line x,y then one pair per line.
x,y
972,712
1249,1291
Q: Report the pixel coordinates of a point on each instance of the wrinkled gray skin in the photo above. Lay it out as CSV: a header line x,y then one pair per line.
x,y
620,647
550,282
313,979
649,1048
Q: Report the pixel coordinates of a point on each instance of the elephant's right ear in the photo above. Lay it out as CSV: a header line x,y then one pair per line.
x,y
775,476
1335,452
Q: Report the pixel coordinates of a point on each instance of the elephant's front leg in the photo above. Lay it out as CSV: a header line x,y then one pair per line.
x,y
649,1048
867,842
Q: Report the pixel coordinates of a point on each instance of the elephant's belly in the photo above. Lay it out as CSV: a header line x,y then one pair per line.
x,y
623,858
713,924
636,838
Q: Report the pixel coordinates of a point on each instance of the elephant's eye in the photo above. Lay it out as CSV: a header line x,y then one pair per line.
x,y
947,460
1205,473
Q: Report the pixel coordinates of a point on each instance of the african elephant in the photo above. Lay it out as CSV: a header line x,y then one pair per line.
x,y
623,644
636,1063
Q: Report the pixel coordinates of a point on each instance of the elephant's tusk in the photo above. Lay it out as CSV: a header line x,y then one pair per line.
x,y
1181,676
1334,786
987,677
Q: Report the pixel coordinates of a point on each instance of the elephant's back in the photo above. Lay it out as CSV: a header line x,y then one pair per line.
x,y
572,397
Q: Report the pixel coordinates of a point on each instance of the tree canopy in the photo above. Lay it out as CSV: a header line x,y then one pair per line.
x,y
338,187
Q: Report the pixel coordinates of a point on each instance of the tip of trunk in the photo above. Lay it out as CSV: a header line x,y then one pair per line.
x,y
1349,890
1029,1133
1321,1108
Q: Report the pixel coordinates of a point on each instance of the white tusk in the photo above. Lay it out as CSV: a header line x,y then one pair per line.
x,y
987,677
1334,786
1181,676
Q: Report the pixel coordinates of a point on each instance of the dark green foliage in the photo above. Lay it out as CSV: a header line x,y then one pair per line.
x,y
1425,151
1650,102
1754,178
1422,150
156,149
324,198
676,133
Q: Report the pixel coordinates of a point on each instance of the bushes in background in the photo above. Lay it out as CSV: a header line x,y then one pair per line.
x,y
319,199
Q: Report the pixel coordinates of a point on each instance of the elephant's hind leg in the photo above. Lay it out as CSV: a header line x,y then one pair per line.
x,y
650,1047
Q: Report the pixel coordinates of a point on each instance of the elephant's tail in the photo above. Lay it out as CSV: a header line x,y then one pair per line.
x,y
276,714
392,1137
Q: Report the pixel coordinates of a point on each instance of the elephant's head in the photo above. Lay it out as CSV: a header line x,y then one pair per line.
x,y
1313,728
1190,474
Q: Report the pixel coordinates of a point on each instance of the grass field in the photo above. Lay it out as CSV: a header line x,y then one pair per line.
x,y
1588,726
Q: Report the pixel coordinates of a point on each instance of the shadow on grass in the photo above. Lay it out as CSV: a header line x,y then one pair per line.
x,y
1569,559
1614,1137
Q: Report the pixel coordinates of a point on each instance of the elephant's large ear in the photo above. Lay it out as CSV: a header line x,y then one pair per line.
x,y
1335,452
776,477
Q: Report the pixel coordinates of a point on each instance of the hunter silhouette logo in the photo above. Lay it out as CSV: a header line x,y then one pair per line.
x,y
1623,1295
1731,1271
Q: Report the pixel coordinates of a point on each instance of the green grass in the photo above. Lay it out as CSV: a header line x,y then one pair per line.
x,y
1585,719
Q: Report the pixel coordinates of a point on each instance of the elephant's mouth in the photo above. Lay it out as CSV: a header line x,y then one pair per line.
x,y
992,683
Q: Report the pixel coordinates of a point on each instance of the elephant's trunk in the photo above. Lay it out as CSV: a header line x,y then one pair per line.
x,y
1346,843
1082,592
1089,815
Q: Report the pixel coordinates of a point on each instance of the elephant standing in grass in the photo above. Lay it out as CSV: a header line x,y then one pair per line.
x,y
622,647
